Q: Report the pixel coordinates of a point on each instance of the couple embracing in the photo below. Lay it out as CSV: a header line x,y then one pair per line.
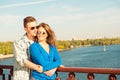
x,y
35,53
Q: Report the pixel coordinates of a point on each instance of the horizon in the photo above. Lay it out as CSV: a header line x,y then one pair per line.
x,y
75,39
88,19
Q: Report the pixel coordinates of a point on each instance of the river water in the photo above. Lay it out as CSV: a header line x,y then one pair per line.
x,y
93,56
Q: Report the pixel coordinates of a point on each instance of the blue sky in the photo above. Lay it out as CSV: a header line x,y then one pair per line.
x,y
79,19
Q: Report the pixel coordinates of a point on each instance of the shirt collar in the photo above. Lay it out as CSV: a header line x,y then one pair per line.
x,y
28,40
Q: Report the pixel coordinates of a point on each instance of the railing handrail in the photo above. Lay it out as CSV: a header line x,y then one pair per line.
x,y
6,66
90,70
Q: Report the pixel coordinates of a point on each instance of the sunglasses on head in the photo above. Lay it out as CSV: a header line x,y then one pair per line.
x,y
43,33
32,28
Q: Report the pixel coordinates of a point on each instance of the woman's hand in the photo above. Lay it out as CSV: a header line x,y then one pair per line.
x,y
50,72
61,66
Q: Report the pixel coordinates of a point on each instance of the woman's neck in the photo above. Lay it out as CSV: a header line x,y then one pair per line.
x,y
43,43
45,46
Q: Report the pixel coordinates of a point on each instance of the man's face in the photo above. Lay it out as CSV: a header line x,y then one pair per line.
x,y
31,29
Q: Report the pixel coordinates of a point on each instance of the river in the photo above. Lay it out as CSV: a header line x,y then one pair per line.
x,y
93,56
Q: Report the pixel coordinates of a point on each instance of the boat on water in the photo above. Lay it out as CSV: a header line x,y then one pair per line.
x,y
104,48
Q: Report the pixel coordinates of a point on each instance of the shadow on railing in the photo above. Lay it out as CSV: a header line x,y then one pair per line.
x,y
112,72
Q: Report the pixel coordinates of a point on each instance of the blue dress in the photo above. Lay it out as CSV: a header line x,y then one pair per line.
x,y
47,61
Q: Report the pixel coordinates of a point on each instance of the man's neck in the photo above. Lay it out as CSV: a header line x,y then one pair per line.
x,y
30,37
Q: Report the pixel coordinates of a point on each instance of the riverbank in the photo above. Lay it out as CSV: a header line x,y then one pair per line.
x,y
11,55
61,50
6,56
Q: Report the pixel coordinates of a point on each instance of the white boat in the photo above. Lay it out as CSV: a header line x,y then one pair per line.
x,y
104,48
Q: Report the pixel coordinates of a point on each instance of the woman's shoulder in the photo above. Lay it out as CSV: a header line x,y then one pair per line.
x,y
52,46
34,44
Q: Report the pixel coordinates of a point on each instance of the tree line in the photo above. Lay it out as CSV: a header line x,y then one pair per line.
x,y
66,44
7,47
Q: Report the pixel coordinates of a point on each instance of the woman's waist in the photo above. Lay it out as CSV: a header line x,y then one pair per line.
x,y
43,75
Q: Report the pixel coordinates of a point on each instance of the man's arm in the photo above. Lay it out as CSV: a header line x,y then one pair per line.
x,y
22,58
33,66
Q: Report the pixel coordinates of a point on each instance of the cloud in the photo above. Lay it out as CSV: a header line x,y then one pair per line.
x,y
12,27
108,16
9,19
24,4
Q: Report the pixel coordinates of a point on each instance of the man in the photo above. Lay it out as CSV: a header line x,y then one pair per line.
x,y
22,63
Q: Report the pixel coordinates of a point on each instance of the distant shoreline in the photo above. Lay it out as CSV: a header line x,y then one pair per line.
x,y
61,50
11,55
6,56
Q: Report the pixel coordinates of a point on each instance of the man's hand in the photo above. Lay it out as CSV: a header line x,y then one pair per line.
x,y
39,69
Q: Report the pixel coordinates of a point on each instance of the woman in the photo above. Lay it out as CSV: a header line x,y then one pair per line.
x,y
43,52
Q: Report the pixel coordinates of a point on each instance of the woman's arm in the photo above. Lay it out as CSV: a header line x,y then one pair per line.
x,y
57,60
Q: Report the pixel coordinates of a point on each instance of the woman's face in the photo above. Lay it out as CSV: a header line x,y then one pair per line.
x,y
42,34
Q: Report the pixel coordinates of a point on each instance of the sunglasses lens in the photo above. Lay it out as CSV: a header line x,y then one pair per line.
x,y
43,33
38,32
37,27
32,28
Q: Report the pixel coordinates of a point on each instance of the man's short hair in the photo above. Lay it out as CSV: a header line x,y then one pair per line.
x,y
27,20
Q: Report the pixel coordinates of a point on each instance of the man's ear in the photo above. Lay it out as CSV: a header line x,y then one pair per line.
x,y
25,29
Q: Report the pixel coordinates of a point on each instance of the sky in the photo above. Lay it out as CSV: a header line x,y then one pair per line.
x,y
78,19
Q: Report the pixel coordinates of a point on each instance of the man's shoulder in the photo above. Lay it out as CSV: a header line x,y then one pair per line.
x,y
21,39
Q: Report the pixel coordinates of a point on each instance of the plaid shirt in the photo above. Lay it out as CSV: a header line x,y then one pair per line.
x,y
21,54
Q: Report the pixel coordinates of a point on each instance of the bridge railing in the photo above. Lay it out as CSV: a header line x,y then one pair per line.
x,y
112,72
10,67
